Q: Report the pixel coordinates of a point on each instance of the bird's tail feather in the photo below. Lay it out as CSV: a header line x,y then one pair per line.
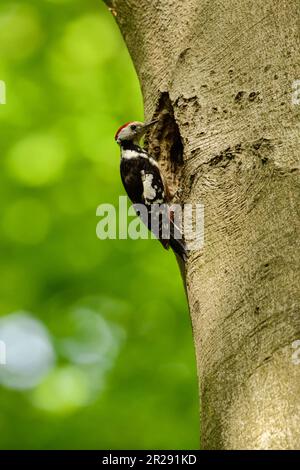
x,y
179,247
177,242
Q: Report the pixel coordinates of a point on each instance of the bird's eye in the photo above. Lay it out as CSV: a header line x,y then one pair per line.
x,y
133,127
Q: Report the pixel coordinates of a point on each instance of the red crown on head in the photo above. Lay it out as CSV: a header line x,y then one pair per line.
x,y
122,127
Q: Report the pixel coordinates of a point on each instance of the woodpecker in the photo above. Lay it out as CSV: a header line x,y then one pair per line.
x,y
145,184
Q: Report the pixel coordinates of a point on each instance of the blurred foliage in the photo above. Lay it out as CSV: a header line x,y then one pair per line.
x,y
98,335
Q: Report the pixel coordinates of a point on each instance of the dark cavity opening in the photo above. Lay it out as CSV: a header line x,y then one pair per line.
x,y
164,143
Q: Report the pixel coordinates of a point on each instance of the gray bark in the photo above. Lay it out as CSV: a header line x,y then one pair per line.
x,y
219,74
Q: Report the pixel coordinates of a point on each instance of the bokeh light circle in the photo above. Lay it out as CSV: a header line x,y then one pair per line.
x,y
29,351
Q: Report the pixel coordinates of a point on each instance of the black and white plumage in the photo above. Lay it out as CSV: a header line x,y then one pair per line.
x,y
144,184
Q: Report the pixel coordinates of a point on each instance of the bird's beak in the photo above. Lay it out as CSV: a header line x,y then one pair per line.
x,y
148,124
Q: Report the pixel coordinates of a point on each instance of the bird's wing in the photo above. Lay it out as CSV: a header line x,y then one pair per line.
x,y
153,187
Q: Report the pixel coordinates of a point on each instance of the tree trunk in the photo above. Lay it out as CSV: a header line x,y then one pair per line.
x,y
219,74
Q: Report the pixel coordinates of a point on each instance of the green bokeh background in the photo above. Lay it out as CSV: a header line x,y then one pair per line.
x,y
123,371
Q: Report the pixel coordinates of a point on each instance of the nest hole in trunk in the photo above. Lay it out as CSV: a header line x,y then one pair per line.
x,y
164,143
